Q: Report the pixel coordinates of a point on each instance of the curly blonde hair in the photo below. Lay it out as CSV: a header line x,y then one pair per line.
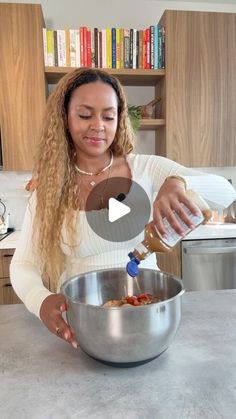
x,y
57,192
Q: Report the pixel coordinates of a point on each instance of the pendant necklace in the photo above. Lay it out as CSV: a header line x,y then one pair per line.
x,y
83,172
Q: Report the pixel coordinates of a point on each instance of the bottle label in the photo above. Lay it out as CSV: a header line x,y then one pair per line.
x,y
172,236
142,249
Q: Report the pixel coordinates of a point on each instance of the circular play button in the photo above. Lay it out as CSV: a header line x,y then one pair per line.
x,y
118,209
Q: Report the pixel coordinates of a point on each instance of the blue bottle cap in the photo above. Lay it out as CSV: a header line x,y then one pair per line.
x,y
132,265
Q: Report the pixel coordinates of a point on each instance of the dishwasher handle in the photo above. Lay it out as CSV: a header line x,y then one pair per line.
x,y
209,250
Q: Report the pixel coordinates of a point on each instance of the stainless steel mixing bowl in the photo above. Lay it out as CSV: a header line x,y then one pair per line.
x,y
125,336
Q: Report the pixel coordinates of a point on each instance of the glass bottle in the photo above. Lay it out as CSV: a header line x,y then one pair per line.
x,y
154,242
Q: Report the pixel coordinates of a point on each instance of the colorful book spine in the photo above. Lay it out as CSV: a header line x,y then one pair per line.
x,y
155,47
100,57
89,48
96,47
140,54
45,46
85,46
134,49
163,34
152,47
121,48
126,48
61,47
50,48
118,49
68,64
131,47
77,48
108,48
104,47
72,33
147,56
137,49
159,46
81,46
113,47
55,48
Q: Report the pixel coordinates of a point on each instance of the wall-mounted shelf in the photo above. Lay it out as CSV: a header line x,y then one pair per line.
x,y
128,77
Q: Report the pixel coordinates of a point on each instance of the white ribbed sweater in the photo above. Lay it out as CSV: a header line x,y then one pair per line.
x,y
92,252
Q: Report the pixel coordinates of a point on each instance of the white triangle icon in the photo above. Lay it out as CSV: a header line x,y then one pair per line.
x,y
116,210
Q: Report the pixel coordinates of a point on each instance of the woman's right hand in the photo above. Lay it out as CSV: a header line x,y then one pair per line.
x,y
51,315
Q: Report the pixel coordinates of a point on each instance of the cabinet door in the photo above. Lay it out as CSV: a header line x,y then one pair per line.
x,y
5,260
22,83
7,294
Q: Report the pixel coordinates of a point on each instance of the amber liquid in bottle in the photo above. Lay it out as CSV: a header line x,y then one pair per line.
x,y
154,242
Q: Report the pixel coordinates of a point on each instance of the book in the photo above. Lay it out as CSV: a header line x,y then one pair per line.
x,y
126,48
108,48
61,47
50,48
77,48
118,48
113,47
45,46
55,48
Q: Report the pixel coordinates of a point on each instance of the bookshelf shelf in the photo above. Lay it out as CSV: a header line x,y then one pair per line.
x,y
128,77
151,124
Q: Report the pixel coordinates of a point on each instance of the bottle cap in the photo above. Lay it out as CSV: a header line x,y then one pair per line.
x,y
132,265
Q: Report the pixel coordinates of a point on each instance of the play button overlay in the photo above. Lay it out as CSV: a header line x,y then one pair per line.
x,y
117,209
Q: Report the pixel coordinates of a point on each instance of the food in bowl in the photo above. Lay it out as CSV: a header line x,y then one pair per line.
x,y
133,300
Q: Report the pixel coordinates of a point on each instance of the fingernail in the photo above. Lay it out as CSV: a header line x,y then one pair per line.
x,y
66,335
74,344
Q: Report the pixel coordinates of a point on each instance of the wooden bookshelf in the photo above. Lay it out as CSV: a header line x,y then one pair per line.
x,y
128,77
151,124
195,120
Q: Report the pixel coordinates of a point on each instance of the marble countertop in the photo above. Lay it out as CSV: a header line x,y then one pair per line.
x,y
202,232
41,376
212,231
10,241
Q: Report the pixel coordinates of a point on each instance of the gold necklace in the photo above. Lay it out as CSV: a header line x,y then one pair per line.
x,y
83,172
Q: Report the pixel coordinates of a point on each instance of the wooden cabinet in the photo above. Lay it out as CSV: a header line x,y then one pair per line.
x,y
22,83
199,89
7,294
195,122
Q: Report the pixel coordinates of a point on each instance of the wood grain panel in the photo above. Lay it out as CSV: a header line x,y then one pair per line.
x,y
200,88
22,83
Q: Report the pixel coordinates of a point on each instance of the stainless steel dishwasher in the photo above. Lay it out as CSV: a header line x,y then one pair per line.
x,y
209,264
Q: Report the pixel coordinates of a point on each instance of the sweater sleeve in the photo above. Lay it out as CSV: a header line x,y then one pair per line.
x,y
24,270
216,190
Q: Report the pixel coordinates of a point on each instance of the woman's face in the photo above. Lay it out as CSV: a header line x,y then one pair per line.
x,y
93,117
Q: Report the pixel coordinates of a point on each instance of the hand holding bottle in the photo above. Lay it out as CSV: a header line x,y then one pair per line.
x,y
180,212
170,205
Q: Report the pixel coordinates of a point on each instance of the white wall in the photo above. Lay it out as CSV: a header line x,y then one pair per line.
x,y
122,13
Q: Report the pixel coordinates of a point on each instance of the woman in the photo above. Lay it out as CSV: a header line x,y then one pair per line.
x,y
86,140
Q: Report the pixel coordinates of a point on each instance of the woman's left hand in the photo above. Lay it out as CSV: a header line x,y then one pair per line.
x,y
169,202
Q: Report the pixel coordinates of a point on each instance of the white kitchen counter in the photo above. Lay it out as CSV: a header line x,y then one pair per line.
x,y
202,232
212,231
10,241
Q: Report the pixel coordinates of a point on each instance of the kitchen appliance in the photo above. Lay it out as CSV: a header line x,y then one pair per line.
x,y
126,336
209,264
3,218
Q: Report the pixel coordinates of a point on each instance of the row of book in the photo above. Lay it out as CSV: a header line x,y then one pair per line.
x,y
106,48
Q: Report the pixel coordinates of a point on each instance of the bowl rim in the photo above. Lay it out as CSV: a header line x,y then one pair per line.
x,y
63,286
